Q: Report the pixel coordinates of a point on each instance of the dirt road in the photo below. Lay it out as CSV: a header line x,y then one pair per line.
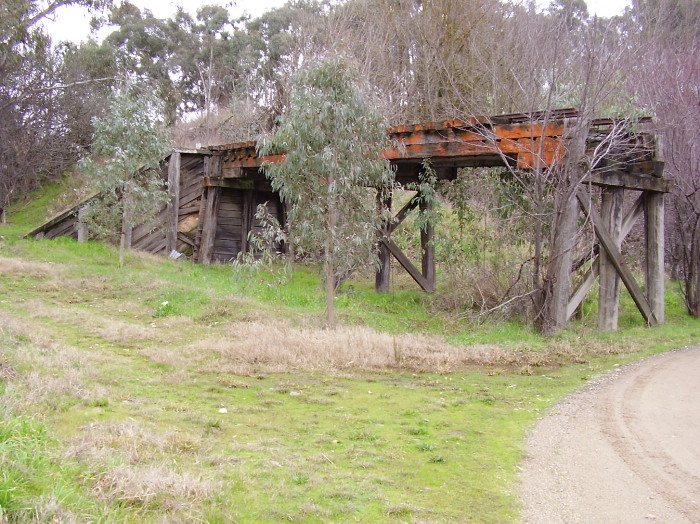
x,y
625,450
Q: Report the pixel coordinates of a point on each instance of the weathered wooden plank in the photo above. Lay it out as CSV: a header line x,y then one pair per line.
x,y
539,154
159,249
655,275
151,243
198,233
608,297
185,239
432,136
406,264
616,258
233,171
145,231
173,201
560,266
190,194
149,227
247,217
231,213
627,224
209,220
630,218
227,249
81,225
231,208
65,228
529,130
226,220
66,215
252,161
630,181
382,279
582,290
402,214
212,165
185,211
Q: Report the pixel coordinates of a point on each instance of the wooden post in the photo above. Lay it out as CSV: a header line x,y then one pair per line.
x,y
209,223
655,275
589,279
383,277
246,219
608,300
616,258
427,242
82,225
402,259
173,202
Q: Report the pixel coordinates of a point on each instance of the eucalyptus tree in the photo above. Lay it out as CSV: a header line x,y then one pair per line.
x,y
279,40
35,131
124,168
144,47
332,137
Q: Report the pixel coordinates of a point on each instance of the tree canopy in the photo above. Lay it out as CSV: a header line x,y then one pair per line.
x,y
223,79
332,137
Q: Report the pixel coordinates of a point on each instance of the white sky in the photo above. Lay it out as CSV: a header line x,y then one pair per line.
x,y
73,23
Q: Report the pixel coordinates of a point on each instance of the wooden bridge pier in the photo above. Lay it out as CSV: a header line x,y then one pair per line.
x,y
611,229
214,192
425,277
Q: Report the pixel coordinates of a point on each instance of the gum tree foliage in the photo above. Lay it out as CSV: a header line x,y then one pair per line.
x,y
39,135
130,141
332,136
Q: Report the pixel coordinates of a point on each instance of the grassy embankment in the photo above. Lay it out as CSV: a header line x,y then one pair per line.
x,y
165,392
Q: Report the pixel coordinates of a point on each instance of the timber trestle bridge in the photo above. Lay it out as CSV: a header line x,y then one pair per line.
x,y
214,192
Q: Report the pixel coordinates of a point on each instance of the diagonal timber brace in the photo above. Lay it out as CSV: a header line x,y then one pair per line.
x,y
608,244
412,270
591,275
425,278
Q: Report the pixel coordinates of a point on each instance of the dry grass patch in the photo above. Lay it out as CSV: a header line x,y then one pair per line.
x,y
7,369
43,369
26,268
129,467
59,372
124,333
132,443
183,359
154,488
111,330
276,347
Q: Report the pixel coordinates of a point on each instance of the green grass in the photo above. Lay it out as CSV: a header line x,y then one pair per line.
x,y
118,401
35,485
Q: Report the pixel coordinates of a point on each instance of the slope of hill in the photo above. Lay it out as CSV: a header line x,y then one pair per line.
x,y
167,391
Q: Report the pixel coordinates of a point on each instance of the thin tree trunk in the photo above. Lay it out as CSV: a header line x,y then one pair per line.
x,y
330,292
558,282
692,277
125,239
329,263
